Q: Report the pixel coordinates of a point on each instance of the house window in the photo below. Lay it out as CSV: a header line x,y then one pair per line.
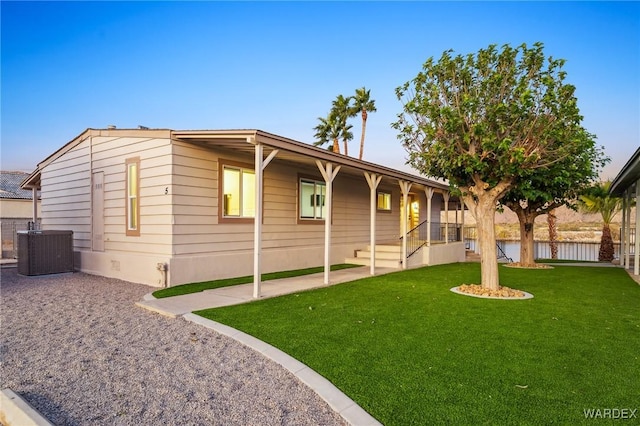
x,y
238,192
312,199
384,201
133,196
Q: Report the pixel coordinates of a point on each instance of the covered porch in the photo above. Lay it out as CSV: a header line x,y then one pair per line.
x,y
415,192
627,186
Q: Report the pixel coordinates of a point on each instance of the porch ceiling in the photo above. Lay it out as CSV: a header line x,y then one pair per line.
x,y
295,152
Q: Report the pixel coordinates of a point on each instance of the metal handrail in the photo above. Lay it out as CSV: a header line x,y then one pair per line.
x,y
417,236
502,254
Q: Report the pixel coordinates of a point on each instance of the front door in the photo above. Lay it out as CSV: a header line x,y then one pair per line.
x,y
413,212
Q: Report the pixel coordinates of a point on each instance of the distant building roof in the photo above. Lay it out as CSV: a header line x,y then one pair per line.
x,y
10,186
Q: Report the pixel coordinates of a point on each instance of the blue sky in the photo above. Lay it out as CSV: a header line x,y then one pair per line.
x,y
277,66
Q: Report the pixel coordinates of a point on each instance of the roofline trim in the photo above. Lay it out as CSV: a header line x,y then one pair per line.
x,y
624,179
291,145
248,136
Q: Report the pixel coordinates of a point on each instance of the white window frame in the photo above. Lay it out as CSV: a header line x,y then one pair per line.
x,y
384,194
243,169
317,196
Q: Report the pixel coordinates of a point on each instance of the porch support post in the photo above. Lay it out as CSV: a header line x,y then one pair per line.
x,y
623,231
446,196
373,180
627,231
429,193
34,192
329,174
462,219
636,263
456,228
404,187
260,165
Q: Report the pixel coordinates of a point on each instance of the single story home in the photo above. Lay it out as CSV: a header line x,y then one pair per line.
x,y
627,186
166,207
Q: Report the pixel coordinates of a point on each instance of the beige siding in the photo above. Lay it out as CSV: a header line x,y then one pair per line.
x,y
179,222
66,192
66,195
197,231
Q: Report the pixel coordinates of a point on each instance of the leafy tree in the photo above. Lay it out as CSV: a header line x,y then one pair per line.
x,y
486,122
363,104
597,199
557,184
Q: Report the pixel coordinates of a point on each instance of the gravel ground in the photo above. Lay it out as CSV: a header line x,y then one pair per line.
x,y
77,349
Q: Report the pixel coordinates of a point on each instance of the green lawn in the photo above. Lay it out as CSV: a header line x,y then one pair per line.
x,y
409,351
208,285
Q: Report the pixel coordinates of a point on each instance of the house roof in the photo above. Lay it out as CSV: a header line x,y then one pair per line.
x,y
244,140
295,151
628,177
10,186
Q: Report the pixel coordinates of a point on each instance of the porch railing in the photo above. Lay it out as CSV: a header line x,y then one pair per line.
x,y
632,235
567,250
418,236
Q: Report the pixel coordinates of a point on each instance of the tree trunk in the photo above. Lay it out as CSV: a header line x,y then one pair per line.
x,y
553,233
606,245
482,206
484,211
346,147
336,146
485,220
364,128
526,242
526,220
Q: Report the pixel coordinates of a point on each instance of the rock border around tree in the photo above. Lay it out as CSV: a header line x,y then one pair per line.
x,y
537,266
503,293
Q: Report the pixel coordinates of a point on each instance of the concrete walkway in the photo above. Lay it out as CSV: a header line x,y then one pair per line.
x,y
234,295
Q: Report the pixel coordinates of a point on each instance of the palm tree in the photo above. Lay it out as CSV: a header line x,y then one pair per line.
x,y
363,105
346,135
328,131
341,110
598,200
